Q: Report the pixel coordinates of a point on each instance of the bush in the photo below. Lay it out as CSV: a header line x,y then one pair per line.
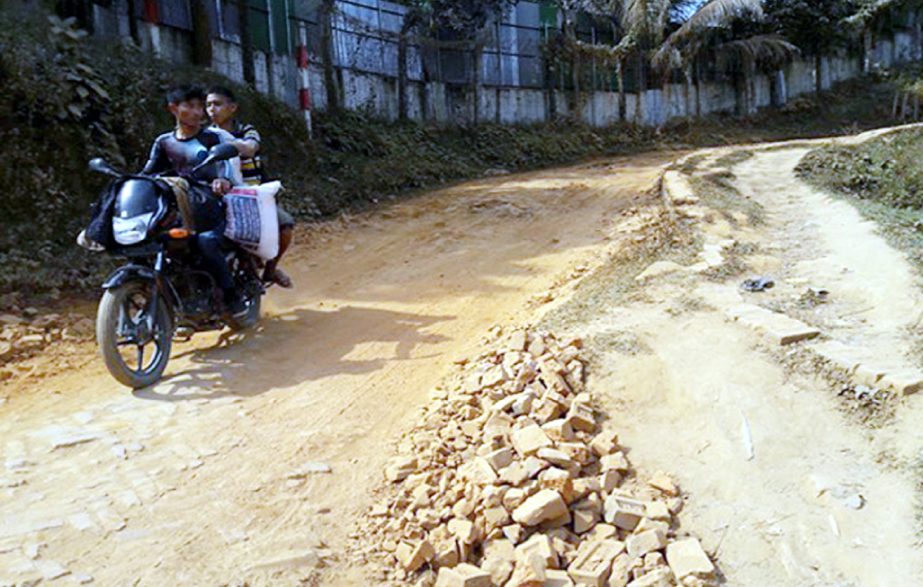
x,y
885,170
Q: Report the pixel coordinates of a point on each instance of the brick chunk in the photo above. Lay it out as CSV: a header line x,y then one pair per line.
x,y
527,441
594,561
500,459
624,512
686,558
538,545
547,504
400,468
412,557
556,578
645,542
581,417
661,577
464,575
662,482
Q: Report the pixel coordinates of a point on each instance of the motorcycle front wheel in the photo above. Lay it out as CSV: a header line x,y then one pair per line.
x,y
136,350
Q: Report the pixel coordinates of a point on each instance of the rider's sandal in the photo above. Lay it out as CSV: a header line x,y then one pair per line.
x,y
279,277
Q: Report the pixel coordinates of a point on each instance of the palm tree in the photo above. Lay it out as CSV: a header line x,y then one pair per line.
x,y
703,30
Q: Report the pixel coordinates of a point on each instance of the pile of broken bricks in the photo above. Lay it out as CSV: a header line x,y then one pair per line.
x,y
509,480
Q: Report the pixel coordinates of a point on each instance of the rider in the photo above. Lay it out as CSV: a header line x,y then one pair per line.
x,y
222,108
176,153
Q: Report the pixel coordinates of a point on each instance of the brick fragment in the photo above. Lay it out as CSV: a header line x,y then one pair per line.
x,y
616,461
663,483
413,556
658,510
528,440
645,542
464,575
687,558
538,545
581,417
604,443
463,530
624,512
584,520
661,577
399,468
500,459
547,504
557,578
594,561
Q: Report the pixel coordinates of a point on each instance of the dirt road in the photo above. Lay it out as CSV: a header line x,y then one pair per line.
x,y
784,486
199,480
217,475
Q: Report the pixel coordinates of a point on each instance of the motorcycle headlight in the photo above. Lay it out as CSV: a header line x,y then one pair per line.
x,y
131,231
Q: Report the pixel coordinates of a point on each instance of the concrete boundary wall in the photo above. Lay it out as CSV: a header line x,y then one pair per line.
x,y
445,103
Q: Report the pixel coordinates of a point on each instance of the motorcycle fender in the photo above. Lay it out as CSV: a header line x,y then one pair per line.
x,y
123,275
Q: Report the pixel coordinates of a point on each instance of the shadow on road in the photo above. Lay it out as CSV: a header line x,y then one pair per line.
x,y
295,347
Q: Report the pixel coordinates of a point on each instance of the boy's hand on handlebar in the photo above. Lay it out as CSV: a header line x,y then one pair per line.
x,y
221,186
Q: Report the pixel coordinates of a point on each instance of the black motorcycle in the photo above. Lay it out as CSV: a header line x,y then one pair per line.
x,y
163,289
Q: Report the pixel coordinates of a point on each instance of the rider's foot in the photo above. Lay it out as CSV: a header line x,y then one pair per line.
x,y
277,276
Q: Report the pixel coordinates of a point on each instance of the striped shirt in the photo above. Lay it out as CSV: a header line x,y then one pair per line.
x,y
251,168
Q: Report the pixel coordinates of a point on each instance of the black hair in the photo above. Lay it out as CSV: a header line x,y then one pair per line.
x,y
223,91
184,93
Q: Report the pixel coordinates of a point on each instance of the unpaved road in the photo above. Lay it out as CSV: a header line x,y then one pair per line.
x,y
783,486
189,483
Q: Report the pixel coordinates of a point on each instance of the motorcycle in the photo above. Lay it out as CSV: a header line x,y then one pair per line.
x,y
162,291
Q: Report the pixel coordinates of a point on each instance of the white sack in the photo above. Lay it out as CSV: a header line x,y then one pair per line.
x,y
253,221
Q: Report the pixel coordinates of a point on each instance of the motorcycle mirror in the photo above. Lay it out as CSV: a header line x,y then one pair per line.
x,y
221,152
101,166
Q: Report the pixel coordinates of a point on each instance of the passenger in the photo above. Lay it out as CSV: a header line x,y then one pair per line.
x,y
222,109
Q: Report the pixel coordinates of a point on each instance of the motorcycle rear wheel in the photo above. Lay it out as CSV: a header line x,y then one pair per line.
x,y
121,332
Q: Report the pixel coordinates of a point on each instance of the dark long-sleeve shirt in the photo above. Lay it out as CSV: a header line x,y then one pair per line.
x,y
174,156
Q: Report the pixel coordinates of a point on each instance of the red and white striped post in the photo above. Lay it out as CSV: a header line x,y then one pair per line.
x,y
304,91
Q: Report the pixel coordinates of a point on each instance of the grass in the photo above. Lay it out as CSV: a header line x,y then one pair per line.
x,y
100,99
883,179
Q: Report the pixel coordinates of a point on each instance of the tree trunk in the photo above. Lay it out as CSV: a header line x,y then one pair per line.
x,y
246,42
201,34
326,41
818,73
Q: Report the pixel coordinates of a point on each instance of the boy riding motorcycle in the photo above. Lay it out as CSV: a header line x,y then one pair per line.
x,y
176,153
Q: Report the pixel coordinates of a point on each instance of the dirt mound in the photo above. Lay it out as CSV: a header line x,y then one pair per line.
x,y
511,479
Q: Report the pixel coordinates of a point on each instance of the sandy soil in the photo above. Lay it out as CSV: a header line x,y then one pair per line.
x,y
190,482
206,478
784,486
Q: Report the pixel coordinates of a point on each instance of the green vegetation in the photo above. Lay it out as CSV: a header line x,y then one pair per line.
x,y
883,178
67,99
